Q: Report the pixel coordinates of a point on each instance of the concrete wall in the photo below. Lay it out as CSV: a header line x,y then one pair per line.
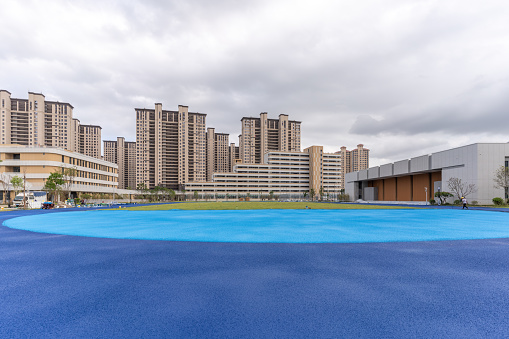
x,y
402,167
420,164
386,170
350,179
458,163
373,173
363,174
490,157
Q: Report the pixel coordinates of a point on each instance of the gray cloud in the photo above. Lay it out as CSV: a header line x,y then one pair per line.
x,y
421,74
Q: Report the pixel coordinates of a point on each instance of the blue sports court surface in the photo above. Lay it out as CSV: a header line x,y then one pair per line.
x,y
255,274
273,226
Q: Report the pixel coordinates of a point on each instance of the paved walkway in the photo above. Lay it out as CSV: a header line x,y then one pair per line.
x,y
65,286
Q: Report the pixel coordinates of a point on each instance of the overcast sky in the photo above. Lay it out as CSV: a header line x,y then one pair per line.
x,y
404,78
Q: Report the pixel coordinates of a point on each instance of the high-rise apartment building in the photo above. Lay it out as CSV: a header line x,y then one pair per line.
x,y
122,153
261,135
234,156
218,152
35,121
38,122
170,147
359,158
90,140
354,160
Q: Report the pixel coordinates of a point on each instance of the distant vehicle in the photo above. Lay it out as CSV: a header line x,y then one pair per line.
x,y
34,199
47,205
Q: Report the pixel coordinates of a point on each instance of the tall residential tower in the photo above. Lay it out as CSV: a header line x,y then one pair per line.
x,y
38,122
170,147
261,135
218,152
122,153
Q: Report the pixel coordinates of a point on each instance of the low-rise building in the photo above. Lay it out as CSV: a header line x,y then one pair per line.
x,y
286,174
418,179
36,163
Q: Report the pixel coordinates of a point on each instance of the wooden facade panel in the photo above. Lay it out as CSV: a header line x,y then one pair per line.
x,y
419,182
436,176
404,188
389,190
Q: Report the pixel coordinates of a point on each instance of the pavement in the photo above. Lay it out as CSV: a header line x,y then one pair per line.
x,y
56,286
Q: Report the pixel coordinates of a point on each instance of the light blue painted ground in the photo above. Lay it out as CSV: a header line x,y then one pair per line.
x,y
273,226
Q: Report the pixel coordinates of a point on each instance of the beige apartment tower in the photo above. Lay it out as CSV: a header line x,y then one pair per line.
x,y
35,121
170,147
38,122
354,160
122,153
261,135
90,140
218,152
234,156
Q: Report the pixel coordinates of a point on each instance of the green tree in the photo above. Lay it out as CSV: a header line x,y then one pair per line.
x,y
443,196
53,184
312,194
17,184
171,194
155,196
196,195
142,187
68,175
271,195
85,197
305,194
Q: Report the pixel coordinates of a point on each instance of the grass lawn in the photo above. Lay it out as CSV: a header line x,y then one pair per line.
x,y
253,205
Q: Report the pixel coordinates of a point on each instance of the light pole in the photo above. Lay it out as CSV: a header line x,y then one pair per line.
x,y
426,190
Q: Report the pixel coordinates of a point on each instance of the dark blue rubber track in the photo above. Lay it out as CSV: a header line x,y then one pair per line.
x,y
68,287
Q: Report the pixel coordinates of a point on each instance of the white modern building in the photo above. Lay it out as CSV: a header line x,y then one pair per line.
x,y
417,179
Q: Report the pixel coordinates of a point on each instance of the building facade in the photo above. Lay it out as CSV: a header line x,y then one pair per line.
x,y
261,135
36,163
286,174
356,159
218,152
234,157
170,147
90,140
38,122
418,179
122,153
